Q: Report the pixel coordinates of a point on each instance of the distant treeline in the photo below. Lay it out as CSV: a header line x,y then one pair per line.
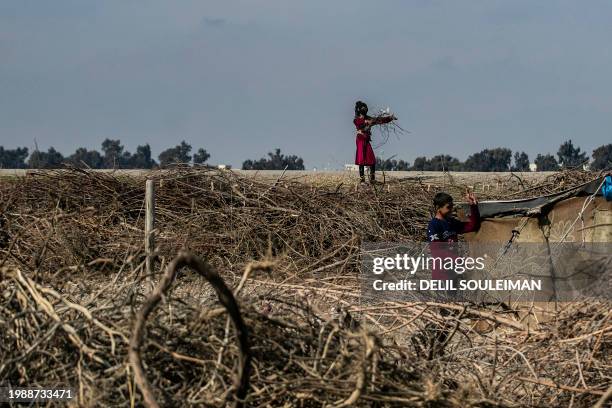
x,y
114,156
502,159
275,161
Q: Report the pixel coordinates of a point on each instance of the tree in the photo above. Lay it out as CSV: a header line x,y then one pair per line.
x,y
444,162
175,155
275,161
440,162
546,162
114,156
570,156
521,162
497,159
13,158
602,158
86,158
201,156
391,164
51,159
142,158
419,163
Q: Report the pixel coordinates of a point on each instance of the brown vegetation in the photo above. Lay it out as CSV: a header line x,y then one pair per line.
x,y
73,294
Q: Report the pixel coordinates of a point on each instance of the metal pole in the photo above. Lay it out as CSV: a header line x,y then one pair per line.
x,y
149,227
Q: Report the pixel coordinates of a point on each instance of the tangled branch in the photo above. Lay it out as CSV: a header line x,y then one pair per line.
x,y
241,383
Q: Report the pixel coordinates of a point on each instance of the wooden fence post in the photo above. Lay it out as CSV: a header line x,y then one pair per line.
x,y
149,227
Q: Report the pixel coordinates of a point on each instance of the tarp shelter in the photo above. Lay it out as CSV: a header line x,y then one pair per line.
x,y
577,214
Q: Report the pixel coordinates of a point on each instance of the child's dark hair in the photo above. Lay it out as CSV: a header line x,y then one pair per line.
x,y
360,108
441,199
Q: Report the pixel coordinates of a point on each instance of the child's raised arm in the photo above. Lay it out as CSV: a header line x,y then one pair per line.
x,y
473,222
381,120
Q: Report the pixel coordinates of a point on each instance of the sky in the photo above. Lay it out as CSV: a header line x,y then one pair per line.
x,y
242,77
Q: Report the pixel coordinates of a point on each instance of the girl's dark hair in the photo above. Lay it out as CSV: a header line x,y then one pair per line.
x,y
360,108
441,199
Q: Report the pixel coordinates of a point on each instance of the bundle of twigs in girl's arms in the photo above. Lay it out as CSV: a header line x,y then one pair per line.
x,y
388,129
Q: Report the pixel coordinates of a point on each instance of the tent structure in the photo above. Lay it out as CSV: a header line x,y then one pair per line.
x,y
577,214
573,227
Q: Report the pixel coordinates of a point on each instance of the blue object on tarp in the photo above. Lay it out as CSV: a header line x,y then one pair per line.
x,y
606,189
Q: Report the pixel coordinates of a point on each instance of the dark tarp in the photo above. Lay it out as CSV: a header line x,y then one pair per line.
x,y
532,206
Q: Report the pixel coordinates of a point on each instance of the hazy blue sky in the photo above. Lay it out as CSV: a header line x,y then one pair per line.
x,y
240,77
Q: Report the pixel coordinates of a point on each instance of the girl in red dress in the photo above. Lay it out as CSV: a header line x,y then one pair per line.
x,y
365,154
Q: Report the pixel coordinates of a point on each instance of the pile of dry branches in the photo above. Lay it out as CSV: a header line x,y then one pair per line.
x,y
78,312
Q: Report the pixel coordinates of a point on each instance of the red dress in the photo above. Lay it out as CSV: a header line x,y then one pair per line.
x,y
364,156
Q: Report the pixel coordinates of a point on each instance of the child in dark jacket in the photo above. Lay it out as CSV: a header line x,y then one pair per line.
x,y
444,228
